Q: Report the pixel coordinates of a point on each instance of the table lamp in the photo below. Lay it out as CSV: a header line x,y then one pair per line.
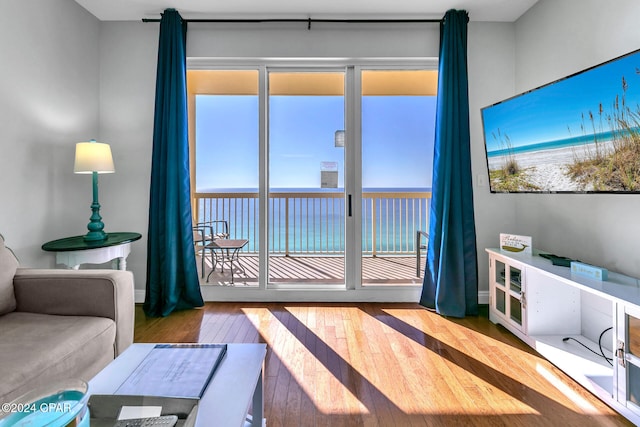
x,y
94,158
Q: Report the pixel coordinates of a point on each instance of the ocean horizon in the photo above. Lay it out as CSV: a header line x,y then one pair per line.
x,y
575,141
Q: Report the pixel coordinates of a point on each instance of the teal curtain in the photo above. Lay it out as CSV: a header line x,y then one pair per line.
x,y
451,274
172,278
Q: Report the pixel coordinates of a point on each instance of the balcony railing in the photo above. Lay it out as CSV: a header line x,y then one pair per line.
x,y
314,222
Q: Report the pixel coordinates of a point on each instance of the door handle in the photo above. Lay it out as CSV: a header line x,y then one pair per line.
x,y
620,353
349,202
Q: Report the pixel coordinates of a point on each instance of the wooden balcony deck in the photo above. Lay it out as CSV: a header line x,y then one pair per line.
x,y
380,270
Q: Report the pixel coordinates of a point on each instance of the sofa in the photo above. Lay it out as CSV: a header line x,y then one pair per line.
x,y
59,324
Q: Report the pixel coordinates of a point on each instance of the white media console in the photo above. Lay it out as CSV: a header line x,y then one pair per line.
x,y
543,305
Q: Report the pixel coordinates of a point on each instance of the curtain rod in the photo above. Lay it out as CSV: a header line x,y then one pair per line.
x,y
308,20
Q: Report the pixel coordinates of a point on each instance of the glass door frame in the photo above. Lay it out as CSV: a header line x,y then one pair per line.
x,y
309,67
386,64
352,67
353,179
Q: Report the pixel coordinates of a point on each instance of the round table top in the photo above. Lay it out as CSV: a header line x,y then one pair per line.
x,y
77,243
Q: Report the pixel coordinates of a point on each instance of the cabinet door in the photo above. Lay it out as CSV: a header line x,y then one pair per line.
x,y
508,301
627,357
516,296
499,288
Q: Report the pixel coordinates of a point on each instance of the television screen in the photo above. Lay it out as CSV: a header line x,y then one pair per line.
x,y
580,134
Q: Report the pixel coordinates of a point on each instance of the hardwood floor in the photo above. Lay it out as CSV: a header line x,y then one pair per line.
x,y
388,365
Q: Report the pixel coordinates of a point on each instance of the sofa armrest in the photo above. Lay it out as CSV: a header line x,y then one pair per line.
x,y
99,293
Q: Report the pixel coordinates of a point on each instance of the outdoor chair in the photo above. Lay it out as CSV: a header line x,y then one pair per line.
x,y
206,232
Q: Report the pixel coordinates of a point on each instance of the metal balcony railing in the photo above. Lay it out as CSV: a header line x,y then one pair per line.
x,y
313,223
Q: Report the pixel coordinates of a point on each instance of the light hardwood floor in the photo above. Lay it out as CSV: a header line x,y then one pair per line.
x,y
388,365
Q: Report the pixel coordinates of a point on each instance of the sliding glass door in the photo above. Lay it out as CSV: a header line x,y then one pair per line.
x,y
398,124
224,124
325,170
306,223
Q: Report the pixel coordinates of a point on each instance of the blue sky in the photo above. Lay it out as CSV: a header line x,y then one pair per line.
x,y
397,140
301,136
555,111
227,141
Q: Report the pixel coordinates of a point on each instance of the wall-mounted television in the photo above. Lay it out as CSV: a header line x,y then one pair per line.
x,y
580,134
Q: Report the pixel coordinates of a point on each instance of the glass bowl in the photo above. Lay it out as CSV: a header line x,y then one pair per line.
x,y
56,405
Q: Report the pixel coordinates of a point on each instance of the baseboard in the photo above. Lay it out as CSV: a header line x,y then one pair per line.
x,y
483,297
139,296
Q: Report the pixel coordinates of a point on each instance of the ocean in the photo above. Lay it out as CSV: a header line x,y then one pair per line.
x,y
559,143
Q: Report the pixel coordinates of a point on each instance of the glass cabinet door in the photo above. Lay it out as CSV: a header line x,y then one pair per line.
x,y
628,359
501,273
500,290
500,301
508,296
515,310
515,280
515,295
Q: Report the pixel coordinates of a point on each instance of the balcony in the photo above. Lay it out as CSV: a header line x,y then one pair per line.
x,y
306,234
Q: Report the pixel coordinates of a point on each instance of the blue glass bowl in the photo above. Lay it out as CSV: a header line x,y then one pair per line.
x,y
50,406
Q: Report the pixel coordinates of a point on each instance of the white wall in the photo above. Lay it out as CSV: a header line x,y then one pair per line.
x,y
491,64
128,56
322,41
555,39
48,102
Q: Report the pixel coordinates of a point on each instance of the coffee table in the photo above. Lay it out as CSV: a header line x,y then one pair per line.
x,y
236,385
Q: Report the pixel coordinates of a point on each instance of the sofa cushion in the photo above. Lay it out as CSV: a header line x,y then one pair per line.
x,y
40,349
8,267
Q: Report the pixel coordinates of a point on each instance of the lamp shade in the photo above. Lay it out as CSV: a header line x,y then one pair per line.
x,y
93,157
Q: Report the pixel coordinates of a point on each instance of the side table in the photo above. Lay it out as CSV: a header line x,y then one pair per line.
x,y
74,251
229,252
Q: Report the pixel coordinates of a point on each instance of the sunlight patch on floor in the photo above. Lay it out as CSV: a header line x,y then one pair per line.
x,y
580,401
316,380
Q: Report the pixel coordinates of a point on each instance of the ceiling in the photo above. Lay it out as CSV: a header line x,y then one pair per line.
x,y
479,10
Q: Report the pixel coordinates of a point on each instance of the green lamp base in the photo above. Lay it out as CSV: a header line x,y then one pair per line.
x,y
95,236
95,226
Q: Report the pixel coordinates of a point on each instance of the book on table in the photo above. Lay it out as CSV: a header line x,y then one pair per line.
x,y
175,370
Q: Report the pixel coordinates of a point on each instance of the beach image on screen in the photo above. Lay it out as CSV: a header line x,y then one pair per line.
x,y
578,134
